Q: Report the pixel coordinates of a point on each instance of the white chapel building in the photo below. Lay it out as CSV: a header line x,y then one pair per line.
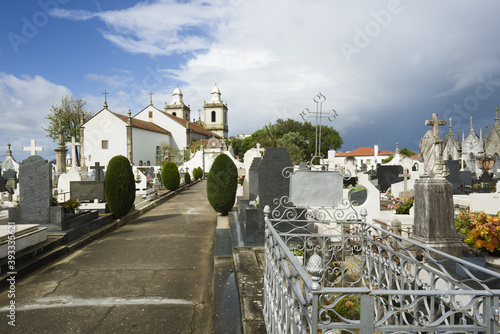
x,y
108,134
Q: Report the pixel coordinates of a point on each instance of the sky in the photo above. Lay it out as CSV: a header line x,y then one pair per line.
x,y
384,66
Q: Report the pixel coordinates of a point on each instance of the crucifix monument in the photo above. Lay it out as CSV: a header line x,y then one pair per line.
x,y
434,216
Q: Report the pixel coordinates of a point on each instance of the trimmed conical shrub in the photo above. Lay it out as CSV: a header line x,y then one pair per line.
x,y
197,173
119,186
222,184
187,178
170,175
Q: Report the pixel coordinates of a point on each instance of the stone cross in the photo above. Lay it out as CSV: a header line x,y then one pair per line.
x,y
405,178
150,98
73,145
105,102
33,148
430,150
98,168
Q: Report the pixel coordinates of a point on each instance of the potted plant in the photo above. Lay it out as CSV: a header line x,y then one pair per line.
x,y
402,206
72,205
481,231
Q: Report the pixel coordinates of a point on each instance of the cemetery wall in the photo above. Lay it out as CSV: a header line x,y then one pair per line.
x,y
145,143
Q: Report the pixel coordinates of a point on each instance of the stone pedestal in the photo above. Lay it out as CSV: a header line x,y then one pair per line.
x,y
434,223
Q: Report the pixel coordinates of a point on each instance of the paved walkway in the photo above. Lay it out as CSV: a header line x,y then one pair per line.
x,y
153,275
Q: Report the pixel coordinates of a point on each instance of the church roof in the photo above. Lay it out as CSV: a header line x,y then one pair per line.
x,y
193,126
363,151
137,123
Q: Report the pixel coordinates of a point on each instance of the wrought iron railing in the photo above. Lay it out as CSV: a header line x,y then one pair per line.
x,y
331,272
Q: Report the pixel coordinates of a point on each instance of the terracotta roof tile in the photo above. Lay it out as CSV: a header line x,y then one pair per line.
x,y
137,123
363,151
193,126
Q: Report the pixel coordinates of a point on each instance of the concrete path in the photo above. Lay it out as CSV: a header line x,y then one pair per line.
x,y
153,275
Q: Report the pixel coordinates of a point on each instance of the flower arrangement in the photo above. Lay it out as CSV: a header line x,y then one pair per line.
x,y
71,204
255,203
402,206
481,231
240,180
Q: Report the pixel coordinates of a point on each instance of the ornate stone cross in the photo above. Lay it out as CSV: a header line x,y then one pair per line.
x,y
318,114
405,176
98,168
33,148
73,145
150,98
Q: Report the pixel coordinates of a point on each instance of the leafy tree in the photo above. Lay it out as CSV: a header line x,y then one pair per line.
x,y
272,133
68,114
167,152
294,144
406,152
236,144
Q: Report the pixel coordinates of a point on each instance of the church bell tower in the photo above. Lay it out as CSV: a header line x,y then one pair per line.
x,y
216,114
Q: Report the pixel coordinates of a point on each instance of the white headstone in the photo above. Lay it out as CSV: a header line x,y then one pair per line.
x,y
63,184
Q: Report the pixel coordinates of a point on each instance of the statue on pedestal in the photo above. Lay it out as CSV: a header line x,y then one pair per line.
x,y
430,150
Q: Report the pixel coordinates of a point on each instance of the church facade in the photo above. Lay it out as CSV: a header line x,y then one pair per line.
x,y
140,137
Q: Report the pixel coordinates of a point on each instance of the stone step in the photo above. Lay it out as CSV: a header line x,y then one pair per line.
x,y
33,257
78,220
26,235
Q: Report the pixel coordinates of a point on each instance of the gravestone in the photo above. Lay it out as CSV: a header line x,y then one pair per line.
x,y
313,188
35,183
454,176
64,184
98,171
434,223
388,175
253,179
271,182
87,191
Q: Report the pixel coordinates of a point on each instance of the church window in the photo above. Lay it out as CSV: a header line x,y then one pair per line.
x,y
148,163
140,162
213,117
150,114
104,144
174,113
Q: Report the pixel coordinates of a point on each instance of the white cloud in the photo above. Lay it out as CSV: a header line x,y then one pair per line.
x,y
270,58
25,101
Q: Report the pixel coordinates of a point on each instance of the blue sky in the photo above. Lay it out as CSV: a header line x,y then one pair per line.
x,y
384,66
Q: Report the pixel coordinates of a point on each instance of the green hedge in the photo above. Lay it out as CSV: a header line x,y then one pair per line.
x,y
222,184
187,178
170,176
119,186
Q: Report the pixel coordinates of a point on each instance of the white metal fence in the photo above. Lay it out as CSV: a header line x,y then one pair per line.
x,y
331,271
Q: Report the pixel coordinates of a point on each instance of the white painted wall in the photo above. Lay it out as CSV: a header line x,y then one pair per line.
x,y
178,140
104,126
144,145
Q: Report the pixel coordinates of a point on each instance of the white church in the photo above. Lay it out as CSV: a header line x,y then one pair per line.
x,y
138,137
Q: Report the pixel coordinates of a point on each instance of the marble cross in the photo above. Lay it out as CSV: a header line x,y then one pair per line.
x,y
405,176
73,145
33,148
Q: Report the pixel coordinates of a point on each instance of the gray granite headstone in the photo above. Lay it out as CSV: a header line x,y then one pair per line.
x,y
271,182
388,175
454,176
35,182
87,191
9,174
253,179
